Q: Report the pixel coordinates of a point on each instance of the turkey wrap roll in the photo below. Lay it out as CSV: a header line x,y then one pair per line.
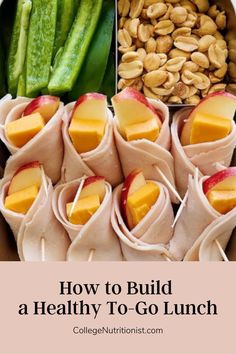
x,y
94,240
147,238
46,146
38,234
100,160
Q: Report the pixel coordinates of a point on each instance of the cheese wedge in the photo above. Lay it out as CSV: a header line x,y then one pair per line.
x,y
83,210
207,127
222,201
86,134
140,202
20,202
22,130
146,130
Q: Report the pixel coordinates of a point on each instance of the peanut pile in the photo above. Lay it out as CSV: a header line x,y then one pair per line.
x,y
173,50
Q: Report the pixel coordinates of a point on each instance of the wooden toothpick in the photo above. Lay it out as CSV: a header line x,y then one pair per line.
x,y
167,258
44,179
222,252
182,205
43,249
91,253
77,196
168,183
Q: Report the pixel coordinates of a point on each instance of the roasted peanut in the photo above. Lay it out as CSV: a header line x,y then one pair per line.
x,y
187,44
144,15
191,66
194,100
164,44
188,5
218,35
126,50
190,21
174,100
181,90
190,78
166,16
151,62
147,3
151,29
122,22
141,53
133,27
163,58
162,91
130,70
213,78
176,53
205,42
205,82
178,15
221,20
175,65
192,91
216,55
156,10
217,88
183,31
123,7
123,83
138,43
164,27
206,26
150,45
203,5
213,11
171,80
148,93
222,44
136,8
155,78
124,38
220,73
200,59
130,56
127,23
143,33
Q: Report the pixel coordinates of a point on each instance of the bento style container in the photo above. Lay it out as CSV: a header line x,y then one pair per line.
x,y
8,249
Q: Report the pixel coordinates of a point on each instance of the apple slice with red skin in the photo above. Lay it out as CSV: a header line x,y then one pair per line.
x,y
45,105
94,185
134,181
224,180
27,175
221,104
91,106
132,107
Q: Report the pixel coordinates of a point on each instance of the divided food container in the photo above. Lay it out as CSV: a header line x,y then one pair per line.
x,y
8,249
